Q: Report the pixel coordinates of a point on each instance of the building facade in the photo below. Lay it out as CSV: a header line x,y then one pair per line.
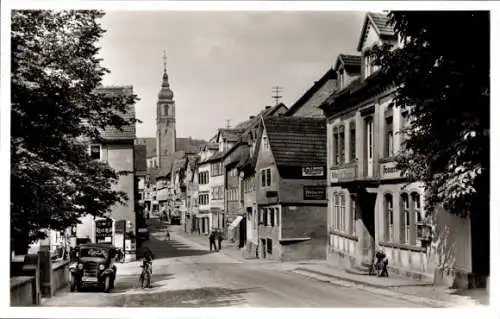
x,y
370,205
290,188
116,148
204,188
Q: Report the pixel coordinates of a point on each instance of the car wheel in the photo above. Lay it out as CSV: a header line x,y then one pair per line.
x,y
107,284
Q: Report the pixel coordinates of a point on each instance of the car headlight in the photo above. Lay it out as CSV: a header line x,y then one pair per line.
x,y
80,266
101,267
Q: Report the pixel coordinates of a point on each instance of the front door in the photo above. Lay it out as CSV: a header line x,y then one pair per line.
x,y
366,204
243,232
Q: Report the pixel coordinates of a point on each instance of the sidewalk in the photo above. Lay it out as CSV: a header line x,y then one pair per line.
x,y
396,287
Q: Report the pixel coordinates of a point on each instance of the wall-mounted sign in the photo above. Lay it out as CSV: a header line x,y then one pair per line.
x,y
389,170
343,174
104,231
313,171
314,192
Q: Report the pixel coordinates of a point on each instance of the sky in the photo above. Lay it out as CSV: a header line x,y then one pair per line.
x,y
221,65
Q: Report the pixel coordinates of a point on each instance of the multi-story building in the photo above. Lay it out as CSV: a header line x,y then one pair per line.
x,y
204,191
116,148
233,188
370,204
191,182
290,188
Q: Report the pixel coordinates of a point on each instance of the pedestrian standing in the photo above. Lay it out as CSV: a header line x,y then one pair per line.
x,y
211,239
219,238
168,234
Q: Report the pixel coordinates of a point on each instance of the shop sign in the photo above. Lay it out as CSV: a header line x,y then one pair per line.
x,y
342,174
314,192
104,231
389,171
313,171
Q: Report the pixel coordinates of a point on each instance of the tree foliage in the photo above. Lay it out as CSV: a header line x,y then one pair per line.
x,y
441,72
56,109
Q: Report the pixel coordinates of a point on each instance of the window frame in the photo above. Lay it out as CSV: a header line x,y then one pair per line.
x,y
389,217
265,178
90,151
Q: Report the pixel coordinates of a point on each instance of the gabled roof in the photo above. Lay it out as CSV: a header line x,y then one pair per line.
x,y
268,111
230,134
380,21
127,131
188,145
329,75
352,63
297,141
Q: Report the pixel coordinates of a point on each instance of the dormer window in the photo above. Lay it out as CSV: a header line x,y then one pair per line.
x,y
341,76
368,65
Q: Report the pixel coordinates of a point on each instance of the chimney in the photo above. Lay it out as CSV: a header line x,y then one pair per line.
x,y
268,107
252,117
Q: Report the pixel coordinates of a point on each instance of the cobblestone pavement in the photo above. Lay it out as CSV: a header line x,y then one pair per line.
x,y
186,274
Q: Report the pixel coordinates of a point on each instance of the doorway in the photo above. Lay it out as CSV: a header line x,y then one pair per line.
x,y
366,204
243,232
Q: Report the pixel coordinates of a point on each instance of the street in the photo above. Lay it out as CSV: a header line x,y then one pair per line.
x,y
186,274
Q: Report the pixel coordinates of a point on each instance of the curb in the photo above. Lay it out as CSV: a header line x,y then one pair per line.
x,y
344,282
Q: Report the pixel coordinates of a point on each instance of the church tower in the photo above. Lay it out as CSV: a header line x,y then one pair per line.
x,y
165,121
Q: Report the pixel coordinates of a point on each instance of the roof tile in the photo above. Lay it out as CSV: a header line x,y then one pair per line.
x,y
127,131
297,141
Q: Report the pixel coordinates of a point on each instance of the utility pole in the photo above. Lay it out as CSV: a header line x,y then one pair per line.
x,y
276,91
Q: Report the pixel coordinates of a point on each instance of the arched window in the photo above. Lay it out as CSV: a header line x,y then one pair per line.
x,y
342,212
419,220
335,212
405,212
389,218
353,215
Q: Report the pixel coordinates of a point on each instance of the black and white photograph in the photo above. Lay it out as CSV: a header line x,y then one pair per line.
x,y
198,157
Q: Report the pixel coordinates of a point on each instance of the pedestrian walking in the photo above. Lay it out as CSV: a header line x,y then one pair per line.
x,y
219,238
211,239
168,234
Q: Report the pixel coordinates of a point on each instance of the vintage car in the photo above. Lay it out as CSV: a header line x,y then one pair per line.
x,y
94,266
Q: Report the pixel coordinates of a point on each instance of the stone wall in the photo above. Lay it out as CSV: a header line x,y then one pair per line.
x,y
22,291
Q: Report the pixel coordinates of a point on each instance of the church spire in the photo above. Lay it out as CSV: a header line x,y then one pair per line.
x,y
165,92
164,62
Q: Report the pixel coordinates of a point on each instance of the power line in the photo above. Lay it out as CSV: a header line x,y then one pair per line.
x,y
277,90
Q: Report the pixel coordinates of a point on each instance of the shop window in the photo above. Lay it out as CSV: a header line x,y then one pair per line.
x,y
389,218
